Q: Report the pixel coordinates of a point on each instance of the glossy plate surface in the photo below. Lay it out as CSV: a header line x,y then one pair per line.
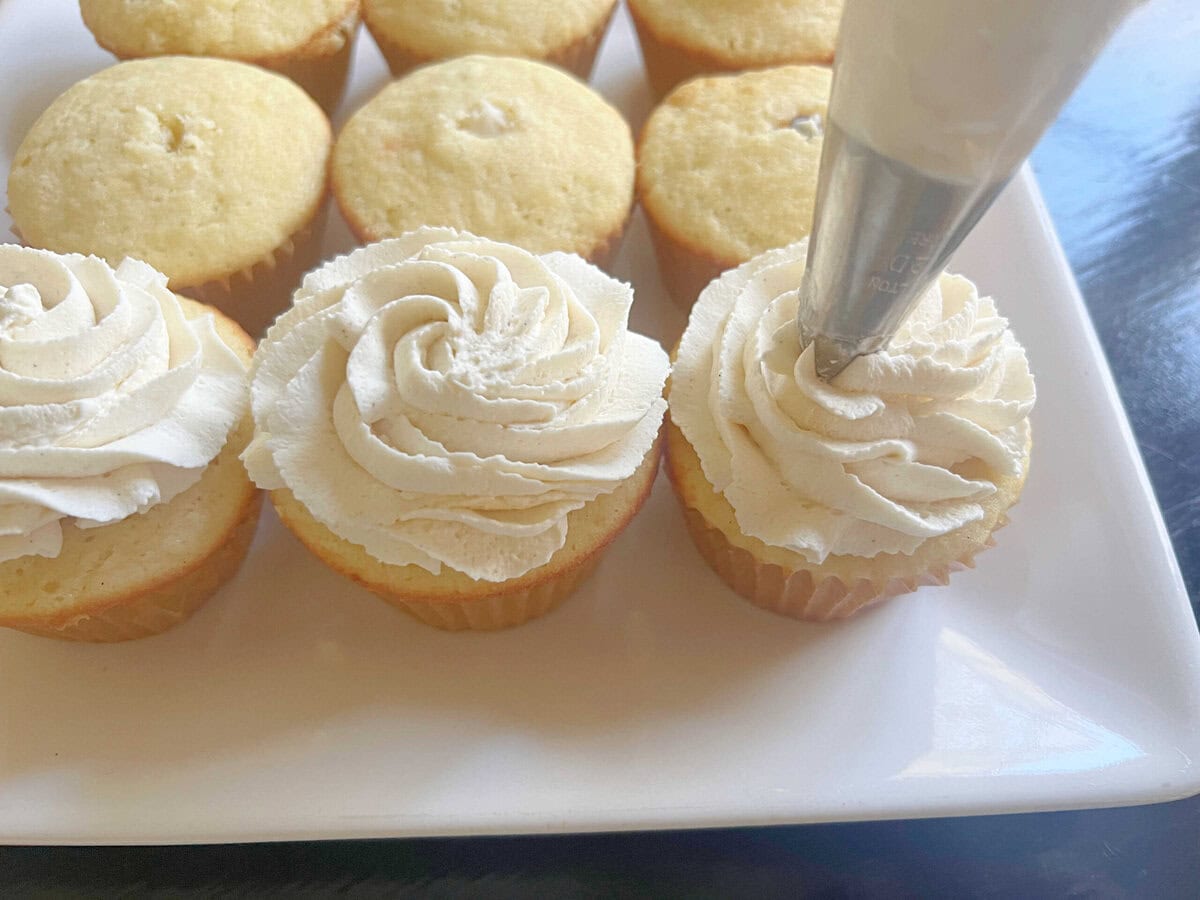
x,y
1063,672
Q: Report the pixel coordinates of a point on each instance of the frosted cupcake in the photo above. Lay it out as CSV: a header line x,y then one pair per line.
x,y
506,148
815,500
457,424
727,168
122,413
684,38
212,172
565,33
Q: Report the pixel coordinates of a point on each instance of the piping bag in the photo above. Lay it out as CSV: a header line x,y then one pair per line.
x,y
935,103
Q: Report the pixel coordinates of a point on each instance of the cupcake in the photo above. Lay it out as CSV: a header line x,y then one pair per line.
x,y
513,150
684,38
814,500
458,425
727,168
565,33
123,409
180,162
311,42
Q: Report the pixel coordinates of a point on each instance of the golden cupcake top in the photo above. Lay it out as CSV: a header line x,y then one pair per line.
x,y
728,164
245,29
200,167
746,33
506,148
442,28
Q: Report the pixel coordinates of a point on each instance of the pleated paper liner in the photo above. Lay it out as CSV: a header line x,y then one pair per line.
x,y
455,602
481,606
497,612
577,57
795,592
255,295
320,66
669,63
685,271
321,73
163,606
605,252
144,574
842,585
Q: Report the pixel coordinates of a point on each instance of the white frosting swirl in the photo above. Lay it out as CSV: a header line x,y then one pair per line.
x,y
866,465
111,401
440,399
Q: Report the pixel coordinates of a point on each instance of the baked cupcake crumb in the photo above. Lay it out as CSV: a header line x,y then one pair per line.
x,y
565,33
727,168
309,41
176,161
505,148
681,39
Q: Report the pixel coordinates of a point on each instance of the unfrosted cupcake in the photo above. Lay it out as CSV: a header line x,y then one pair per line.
x,y
123,409
513,150
213,172
566,33
457,424
684,38
727,168
309,41
813,499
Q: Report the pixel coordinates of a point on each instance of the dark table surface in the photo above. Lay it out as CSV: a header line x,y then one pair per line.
x,y
1121,175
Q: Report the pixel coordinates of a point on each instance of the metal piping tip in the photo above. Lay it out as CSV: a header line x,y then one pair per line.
x,y
882,231
831,357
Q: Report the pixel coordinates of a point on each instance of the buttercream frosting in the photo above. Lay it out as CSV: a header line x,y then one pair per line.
x,y
444,400
867,464
111,400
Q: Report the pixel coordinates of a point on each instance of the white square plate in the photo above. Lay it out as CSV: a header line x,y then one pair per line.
x,y
1063,672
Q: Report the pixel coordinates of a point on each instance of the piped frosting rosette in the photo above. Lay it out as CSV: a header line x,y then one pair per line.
x,y
871,463
111,401
444,400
